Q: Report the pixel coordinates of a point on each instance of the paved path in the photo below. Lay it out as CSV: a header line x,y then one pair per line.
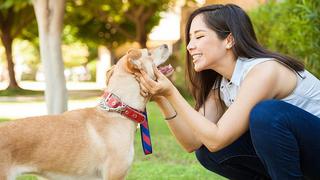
x,y
81,95
41,85
20,110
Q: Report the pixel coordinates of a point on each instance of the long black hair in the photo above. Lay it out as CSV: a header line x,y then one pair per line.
x,y
226,19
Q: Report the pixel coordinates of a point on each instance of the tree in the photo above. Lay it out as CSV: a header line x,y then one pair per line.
x,y
14,17
143,14
114,22
49,15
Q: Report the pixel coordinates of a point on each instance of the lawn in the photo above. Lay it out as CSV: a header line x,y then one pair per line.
x,y
168,161
3,119
15,92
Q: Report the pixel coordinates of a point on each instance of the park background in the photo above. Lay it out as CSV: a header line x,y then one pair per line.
x,y
97,32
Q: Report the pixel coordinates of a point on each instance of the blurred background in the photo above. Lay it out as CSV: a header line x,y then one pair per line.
x,y
96,33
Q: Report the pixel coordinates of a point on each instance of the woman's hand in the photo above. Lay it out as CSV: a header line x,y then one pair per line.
x,y
161,87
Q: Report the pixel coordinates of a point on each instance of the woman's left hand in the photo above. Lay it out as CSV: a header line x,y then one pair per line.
x,y
162,86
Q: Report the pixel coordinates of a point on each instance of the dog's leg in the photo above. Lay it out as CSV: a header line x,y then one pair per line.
x,y
2,176
114,174
116,169
4,165
3,172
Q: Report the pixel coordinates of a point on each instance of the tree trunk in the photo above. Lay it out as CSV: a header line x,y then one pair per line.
x,y
141,34
7,43
113,59
49,14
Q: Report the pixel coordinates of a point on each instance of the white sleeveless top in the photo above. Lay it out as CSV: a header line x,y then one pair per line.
x,y
306,95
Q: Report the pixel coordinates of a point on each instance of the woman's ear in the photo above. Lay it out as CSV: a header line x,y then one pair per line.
x,y
229,41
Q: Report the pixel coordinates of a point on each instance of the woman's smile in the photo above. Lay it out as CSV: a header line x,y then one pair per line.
x,y
196,57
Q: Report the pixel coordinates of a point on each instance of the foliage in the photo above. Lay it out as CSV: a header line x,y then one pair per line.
x,y
291,27
112,22
90,23
14,16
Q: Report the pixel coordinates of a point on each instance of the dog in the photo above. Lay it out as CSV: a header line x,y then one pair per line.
x,y
86,144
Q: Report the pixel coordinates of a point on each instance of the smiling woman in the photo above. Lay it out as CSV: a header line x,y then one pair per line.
x,y
257,112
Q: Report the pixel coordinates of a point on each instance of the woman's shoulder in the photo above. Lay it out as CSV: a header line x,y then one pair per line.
x,y
245,65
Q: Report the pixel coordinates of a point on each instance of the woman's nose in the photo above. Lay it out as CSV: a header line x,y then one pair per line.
x,y
190,46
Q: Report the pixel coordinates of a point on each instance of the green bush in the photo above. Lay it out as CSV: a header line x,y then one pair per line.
x,y
291,27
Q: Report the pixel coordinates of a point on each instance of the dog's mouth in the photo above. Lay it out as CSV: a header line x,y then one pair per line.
x,y
166,69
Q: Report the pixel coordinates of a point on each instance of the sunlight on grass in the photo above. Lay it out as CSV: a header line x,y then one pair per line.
x,y
27,177
4,119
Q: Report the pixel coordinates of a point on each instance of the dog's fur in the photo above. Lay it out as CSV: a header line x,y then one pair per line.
x,y
82,144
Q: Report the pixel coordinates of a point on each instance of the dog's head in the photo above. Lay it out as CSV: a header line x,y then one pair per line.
x,y
136,60
143,59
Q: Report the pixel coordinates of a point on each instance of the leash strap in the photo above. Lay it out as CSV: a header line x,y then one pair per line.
x,y
145,136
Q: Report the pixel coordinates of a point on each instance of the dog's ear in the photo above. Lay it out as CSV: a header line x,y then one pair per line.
x,y
133,55
109,74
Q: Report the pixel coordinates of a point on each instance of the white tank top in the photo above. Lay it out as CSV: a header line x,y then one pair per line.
x,y
306,95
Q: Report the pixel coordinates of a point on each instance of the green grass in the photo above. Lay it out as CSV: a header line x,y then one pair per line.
x,y
4,119
27,177
15,92
168,161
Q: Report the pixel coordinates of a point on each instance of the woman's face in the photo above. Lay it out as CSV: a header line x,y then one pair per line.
x,y
205,48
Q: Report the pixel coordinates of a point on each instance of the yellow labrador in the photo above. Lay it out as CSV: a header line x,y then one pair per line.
x,y
92,143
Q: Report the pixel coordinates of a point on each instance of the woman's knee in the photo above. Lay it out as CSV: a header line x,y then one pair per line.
x,y
263,114
206,158
266,118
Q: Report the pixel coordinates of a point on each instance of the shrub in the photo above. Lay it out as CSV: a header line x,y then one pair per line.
x,y
291,27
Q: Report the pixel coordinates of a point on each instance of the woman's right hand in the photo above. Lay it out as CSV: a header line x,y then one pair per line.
x,y
162,86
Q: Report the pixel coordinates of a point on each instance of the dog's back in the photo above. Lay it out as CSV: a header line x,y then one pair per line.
x,y
90,139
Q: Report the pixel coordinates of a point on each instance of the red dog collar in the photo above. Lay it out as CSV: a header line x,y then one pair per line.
x,y
111,102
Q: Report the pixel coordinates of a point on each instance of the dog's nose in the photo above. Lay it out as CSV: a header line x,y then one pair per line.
x,y
165,46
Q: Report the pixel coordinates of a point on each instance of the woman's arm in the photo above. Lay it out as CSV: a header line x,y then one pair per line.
x,y
181,131
262,82
258,85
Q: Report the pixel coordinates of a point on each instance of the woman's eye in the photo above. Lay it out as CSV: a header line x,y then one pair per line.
x,y
198,37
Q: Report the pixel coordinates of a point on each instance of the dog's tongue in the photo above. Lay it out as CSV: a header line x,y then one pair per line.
x,y
166,69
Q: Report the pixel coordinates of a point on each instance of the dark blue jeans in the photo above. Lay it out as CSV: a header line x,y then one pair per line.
x,y
283,143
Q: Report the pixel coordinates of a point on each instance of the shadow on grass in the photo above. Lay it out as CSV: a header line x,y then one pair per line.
x,y
19,92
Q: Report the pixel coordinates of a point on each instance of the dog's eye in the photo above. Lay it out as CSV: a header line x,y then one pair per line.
x,y
149,53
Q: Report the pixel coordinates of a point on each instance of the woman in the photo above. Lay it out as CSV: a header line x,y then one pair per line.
x,y
257,113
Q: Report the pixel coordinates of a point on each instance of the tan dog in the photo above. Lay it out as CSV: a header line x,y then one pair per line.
x,y
83,144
